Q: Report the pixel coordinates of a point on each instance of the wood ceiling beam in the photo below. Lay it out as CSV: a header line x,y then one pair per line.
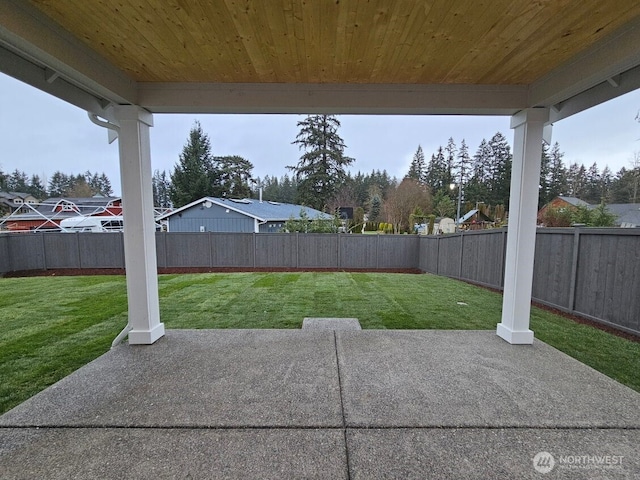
x,y
612,56
34,37
332,98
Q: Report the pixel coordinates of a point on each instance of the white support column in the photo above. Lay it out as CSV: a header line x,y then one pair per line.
x,y
139,225
528,128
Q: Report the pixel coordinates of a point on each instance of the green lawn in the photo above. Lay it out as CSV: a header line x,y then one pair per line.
x,y
50,326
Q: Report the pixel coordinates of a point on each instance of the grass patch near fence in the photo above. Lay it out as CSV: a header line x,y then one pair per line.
x,y
50,326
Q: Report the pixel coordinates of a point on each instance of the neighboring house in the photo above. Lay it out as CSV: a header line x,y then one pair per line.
x,y
48,214
211,214
627,214
13,201
561,202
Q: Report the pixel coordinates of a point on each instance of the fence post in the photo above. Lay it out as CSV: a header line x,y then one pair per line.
x,y
44,252
339,262
503,256
438,255
210,250
377,251
297,250
574,269
254,249
461,254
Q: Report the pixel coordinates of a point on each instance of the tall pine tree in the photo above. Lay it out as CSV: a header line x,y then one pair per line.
x,y
234,173
500,179
194,176
417,169
322,167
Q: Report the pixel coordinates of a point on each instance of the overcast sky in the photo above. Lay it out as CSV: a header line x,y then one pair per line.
x,y
40,134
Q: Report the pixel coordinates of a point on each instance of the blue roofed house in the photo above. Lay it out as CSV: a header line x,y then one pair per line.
x,y
210,214
627,214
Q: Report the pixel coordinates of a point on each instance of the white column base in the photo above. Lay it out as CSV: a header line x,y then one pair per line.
x,y
515,338
139,226
146,337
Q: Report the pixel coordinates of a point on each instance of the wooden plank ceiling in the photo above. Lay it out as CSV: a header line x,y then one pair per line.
x,y
504,42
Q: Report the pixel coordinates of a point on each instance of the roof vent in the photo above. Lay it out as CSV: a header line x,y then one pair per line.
x,y
274,203
240,200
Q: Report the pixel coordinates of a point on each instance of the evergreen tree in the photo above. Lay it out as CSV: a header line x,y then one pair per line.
x,y
289,189
3,181
234,174
98,183
36,188
463,170
18,181
270,188
544,195
606,182
79,188
592,190
577,180
450,162
500,177
463,164
380,183
443,206
161,186
477,189
59,184
194,175
361,189
601,217
557,177
438,178
626,186
321,169
417,169
375,208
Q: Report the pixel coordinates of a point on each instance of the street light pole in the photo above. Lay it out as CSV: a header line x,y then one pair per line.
x,y
459,202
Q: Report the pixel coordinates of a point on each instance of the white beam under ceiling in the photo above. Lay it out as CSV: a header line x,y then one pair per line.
x,y
398,99
40,42
605,60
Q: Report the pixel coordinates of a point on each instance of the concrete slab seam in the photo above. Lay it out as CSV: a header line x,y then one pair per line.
x,y
316,427
344,420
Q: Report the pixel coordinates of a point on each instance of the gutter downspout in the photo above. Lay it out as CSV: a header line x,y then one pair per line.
x,y
113,134
120,337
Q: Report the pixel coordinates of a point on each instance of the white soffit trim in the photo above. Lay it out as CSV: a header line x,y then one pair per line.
x,y
608,58
31,35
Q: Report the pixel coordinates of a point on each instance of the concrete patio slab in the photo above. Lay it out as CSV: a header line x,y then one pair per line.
x,y
311,323
212,378
492,453
159,453
324,404
440,378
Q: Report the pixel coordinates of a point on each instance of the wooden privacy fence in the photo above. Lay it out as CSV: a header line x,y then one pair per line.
x,y
591,272
594,273
43,251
